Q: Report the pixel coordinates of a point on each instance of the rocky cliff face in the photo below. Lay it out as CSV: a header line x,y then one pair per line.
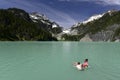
x,y
106,35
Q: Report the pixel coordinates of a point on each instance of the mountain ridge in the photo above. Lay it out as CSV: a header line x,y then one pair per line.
x,y
17,24
98,29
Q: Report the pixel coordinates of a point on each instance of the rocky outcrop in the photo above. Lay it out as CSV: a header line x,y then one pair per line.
x,y
86,38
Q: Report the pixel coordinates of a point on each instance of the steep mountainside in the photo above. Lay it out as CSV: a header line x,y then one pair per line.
x,y
103,27
18,25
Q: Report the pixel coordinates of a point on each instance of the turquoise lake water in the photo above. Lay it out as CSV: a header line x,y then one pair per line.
x,y
54,60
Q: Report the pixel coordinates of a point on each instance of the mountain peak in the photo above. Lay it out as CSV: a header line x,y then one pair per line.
x,y
111,11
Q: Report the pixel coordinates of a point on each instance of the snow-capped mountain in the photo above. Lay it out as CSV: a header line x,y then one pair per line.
x,y
46,23
36,17
92,18
98,16
101,27
73,31
35,26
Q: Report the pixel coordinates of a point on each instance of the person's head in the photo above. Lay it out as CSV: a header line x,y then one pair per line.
x,y
86,60
78,63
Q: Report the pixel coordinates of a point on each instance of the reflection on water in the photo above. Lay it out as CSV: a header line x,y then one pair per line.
x,y
53,61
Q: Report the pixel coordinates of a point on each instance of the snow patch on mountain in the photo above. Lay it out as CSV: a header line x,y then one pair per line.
x,y
92,18
36,15
54,26
67,31
33,16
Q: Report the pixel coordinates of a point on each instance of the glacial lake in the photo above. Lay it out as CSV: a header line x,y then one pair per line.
x,y
54,60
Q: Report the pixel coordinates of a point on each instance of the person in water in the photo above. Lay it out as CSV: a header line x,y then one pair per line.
x,y
85,64
78,65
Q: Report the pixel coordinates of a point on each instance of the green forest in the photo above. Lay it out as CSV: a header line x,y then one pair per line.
x,y
16,25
